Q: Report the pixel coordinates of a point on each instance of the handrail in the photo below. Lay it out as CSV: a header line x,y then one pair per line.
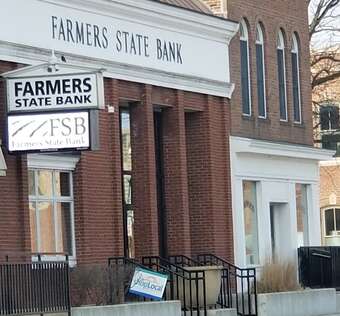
x,y
187,286
238,283
7,255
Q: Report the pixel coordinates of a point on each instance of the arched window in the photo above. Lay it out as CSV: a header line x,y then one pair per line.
x,y
260,66
245,69
281,67
296,79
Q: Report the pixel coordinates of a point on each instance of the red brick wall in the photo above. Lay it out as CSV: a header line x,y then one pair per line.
x,y
197,178
291,16
329,185
14,212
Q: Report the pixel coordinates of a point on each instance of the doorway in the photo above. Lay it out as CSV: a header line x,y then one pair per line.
x,y
279,222
162,216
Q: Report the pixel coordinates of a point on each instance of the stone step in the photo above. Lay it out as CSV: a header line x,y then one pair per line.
x,y
214,312
222,312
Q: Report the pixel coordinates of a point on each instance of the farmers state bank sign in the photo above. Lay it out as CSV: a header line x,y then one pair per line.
x,y
53,110
137,40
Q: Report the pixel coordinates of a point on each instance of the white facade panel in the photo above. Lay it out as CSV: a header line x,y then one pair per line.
x,y
276,175
139,36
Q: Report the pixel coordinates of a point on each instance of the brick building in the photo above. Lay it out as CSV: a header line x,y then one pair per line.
x,y
159,181
184,164
274,167
326,135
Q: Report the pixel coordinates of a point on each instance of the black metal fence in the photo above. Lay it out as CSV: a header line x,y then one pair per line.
x,y
319,267
34,287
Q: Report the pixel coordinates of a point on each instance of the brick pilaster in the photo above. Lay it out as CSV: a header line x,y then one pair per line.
x,y
176,180
144,176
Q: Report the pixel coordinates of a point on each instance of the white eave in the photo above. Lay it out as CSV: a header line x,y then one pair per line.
x,y
41,69
255,146
334,162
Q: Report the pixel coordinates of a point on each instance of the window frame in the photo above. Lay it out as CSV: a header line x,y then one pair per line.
x,y
127,208
54,199
61,163
305,192
260,41
255,225
329,107
280,45
337,229
245,38
295,50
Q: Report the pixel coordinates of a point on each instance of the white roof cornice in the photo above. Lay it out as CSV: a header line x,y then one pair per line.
x,y
171,17
255,146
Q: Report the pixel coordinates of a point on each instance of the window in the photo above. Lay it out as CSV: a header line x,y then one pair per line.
x,y
281,67
128,213
332,222
296,80
245,69
250,222
260,66
302,214
51,211
329,117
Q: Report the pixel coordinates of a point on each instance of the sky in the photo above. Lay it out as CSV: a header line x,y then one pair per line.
x,y
327,38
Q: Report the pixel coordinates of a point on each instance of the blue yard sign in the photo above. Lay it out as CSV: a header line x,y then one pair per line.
x,y
148,284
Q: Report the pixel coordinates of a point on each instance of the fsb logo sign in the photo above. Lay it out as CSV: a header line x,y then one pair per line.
x,y
52,131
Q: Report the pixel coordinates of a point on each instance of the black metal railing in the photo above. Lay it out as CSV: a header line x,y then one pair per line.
x,y
187,282
121,273
319,267
238,287
38,287
187,286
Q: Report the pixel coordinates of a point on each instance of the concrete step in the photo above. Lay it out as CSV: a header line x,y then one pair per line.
x,y
338,302
215,312
222,312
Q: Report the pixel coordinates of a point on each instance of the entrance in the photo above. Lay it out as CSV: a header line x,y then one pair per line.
x,y
162,217
279,219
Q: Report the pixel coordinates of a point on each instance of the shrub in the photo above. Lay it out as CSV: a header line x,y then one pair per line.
x,y
96,284
90,285
278,277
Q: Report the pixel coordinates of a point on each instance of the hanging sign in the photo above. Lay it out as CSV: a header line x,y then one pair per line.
x,y
148,284
53,92
48,132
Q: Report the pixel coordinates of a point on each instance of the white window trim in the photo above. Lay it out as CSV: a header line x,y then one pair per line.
x,y
257,183
281,46
56,162
261,42
245,38
295,50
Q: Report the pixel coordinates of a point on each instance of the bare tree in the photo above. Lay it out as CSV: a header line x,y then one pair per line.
x,y
324,34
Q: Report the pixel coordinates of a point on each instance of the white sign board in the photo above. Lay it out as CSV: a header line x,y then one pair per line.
x,y
48,132
148,284
50,93
112,35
